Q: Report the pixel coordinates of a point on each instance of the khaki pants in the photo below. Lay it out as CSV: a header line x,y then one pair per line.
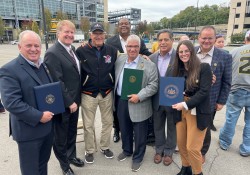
x,y
190,140
89,106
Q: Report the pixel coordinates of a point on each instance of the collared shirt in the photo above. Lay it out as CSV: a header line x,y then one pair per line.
x,y
163,62
205,57
131,65
123,43
68,48
40,61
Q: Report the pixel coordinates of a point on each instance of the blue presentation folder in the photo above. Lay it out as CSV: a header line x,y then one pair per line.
x,y
171,90
49,98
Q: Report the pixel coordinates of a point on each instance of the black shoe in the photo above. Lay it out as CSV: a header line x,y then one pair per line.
x,y
116,136
77,162
212,127
200,173
68,172
185,171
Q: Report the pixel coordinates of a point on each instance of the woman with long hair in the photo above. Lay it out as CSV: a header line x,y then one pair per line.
x,y
195,111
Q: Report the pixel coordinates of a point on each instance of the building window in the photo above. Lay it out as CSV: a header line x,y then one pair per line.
x,y
236,26
246,26
238,4
237,15
247,15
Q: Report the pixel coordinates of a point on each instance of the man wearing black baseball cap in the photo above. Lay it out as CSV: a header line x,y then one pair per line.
x,y
97,72
97,26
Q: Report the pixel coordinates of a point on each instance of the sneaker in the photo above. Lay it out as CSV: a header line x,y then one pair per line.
x,y
108,154
89,157
121,157
136,166
244,154
222,147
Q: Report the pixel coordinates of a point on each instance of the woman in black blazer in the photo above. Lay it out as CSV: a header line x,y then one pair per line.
x,y
195,112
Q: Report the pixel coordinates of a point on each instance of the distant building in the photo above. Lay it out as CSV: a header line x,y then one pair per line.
x,y
239,17
133,14
14,12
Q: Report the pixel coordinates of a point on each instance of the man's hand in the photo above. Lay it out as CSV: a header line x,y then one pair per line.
x,y
83,44
145,57
219,107
133,98
47,116
178,106
73,108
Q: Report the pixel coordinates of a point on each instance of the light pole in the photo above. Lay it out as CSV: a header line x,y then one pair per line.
x,y
233,20
196,18
44,26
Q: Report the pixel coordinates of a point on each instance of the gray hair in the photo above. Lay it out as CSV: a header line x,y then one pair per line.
x,y
170,33
21,35
134,38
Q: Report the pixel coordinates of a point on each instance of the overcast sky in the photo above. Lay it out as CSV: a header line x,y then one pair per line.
x,y
154,10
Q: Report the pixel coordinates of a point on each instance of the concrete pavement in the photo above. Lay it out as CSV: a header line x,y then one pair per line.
x,y
218,162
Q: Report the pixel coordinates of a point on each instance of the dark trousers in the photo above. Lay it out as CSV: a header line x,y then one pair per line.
x,y
65,137
1,105
164,144
207,140
34,155
127,128
116,121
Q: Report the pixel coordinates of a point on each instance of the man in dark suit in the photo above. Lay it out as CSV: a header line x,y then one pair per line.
x,y
164,59
119,41
30,128
221,66
133,113
65,67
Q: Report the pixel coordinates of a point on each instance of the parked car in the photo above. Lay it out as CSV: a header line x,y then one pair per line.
x,y
14,42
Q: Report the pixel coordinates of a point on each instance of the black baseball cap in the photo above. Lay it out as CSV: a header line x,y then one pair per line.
x,y
96,26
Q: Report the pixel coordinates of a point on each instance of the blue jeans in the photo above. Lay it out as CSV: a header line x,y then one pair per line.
x,y
237,100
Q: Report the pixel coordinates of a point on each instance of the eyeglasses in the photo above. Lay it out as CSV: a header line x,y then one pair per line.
x,y
130,47
184,51
209,39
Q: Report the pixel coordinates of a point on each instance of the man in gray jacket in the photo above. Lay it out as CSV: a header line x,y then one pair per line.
x,y
133,113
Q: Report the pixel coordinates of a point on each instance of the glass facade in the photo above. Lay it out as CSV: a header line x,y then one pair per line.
x,y
19,10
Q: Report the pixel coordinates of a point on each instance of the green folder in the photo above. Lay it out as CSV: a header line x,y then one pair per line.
x,y
132,81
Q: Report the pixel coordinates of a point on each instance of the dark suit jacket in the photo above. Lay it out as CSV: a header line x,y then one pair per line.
x,y
115,42
154,58
64,69
200,99
221,66
17,80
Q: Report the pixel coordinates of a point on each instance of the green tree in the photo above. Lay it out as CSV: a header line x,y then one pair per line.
x,y
1,27
141,28
35,27
85,26
61,16
206,15
48,19
237,38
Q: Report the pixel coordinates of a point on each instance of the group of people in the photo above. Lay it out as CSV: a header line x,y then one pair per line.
x,y
92,76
